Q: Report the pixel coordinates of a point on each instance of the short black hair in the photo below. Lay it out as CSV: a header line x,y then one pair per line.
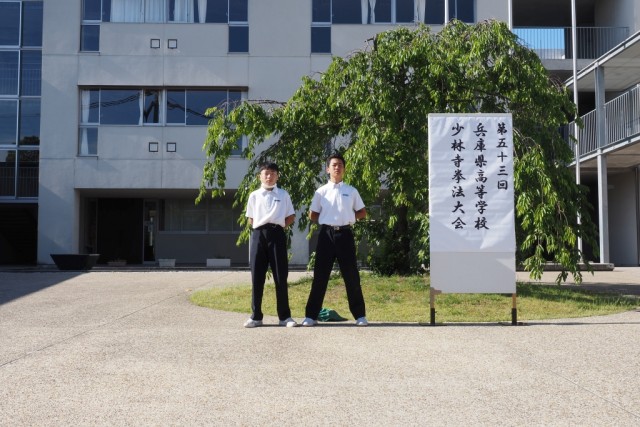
x,y
336,156
268,165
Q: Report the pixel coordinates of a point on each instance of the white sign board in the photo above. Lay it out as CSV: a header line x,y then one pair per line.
x,y
471,203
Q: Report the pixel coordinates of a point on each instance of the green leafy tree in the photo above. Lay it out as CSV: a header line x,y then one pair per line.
x,y
373,107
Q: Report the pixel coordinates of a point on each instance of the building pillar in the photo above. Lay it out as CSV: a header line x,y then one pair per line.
x,y
58,211
637,196
601,137
603,208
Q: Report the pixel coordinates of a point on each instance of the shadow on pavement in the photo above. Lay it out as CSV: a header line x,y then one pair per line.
x,y
17,285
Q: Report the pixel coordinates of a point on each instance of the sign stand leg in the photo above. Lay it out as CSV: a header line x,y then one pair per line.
x,y
514,310
432,304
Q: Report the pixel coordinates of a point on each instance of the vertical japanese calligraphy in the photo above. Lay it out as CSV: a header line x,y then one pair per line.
x,y
471,198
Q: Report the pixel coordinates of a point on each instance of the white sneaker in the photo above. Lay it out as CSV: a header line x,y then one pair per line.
x,y
250,323
289,323
362,321
309,322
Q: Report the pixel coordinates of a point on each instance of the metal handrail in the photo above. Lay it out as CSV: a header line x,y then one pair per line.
x,y
622,122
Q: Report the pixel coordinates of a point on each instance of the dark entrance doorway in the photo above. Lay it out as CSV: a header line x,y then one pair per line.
x,y
120,230
18,233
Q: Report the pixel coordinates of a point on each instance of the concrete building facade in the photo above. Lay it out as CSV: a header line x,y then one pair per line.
x,y
125,84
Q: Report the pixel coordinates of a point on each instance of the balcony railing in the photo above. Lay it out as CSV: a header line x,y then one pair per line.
x,y
26,186
555,43
622,122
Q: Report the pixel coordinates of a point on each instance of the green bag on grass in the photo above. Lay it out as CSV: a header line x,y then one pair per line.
x,y
329,315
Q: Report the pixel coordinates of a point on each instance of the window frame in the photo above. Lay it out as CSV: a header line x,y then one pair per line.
x,y
26,53
16,118
89,128
173,216
23,20
14,56
320,26
21,117
19,26
23,158
454,14
6,180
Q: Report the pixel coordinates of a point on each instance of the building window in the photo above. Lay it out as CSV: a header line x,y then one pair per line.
x,y
10,23
463,10
32,24
90,106
222,216
7,173
88,141
176,106
210,216
90,38
144,107
92,10
22,164
188,107
348,11
120,107
151,113
321,39
232,12
182,11
29,125
92,15
238,38
153,11
30,72
238,10
214,11
405,11
28,169
184,215
8,121
382,12
366,11
20,82
321,11
9,72
321,26
238,26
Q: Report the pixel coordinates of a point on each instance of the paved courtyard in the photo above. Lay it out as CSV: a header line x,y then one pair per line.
x,y
128,348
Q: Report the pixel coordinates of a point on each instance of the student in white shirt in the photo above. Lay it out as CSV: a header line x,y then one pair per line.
x,y
270,211
336,206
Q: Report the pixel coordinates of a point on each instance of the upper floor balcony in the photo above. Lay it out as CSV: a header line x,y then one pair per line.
x,y
620,133
555,43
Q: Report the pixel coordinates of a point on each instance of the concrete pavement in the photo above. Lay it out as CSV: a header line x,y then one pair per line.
x,y
114,348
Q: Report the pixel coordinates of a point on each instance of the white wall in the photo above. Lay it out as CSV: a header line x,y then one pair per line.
x,y
492,9
618,13
623,220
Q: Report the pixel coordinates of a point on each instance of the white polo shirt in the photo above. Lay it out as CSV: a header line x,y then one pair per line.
x,y
337,204
269,207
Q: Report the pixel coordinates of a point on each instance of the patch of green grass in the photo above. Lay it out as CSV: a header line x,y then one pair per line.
x,y
406,299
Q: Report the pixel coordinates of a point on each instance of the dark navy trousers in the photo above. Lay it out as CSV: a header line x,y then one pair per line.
x,y
335,244
268,247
